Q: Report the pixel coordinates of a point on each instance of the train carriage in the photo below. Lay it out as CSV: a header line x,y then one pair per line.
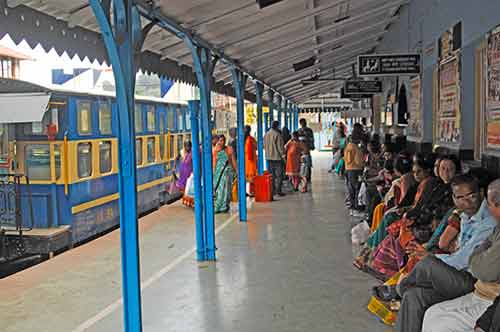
x,y
70,159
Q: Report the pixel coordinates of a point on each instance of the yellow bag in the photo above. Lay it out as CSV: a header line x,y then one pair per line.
x,y
234,191
382,309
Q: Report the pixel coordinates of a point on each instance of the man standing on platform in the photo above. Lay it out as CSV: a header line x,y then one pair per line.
x,y
306,135
275,152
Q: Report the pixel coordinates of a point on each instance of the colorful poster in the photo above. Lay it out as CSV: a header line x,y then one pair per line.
x,y
493,90
415,126
449,102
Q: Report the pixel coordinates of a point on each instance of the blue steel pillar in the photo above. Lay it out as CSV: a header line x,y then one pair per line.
x,y
296,118
204,65
259,89
123,40
239,83
271,107
279,107
266,122
194,108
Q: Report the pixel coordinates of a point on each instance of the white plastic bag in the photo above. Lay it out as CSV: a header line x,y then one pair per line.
x,y
189,189
360,233
362,195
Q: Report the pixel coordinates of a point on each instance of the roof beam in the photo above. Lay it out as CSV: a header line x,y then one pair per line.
x,y
280,77
296,57
230,47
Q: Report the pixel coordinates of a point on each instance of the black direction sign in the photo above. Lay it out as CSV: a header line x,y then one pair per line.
x,y
354,96
388,64
362,87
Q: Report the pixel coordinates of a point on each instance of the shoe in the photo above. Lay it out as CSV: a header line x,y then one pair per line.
x,y
358,214
281,194
386,293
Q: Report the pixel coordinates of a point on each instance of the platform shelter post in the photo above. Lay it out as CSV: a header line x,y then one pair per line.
x,y
279,107
204,65
194,109
239,83
123,39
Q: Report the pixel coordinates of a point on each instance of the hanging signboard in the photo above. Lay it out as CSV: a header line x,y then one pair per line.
x,y
449,102
389,64
493,90
415,125
362,87
354,96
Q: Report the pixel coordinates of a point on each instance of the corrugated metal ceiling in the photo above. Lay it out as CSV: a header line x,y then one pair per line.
x,y
264,42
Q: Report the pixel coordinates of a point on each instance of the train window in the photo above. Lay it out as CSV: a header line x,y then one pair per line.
x,y
180,122
50,117
57,160
105,158
151,150
150,117
180,145
37,161
105,119
162,146
161,123
138,151
171,148
84,118
188,120
138,118
84,151
171,118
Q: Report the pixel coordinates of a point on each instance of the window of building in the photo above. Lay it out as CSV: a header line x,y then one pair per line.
x,y
105,119
138,151
138,118
151,150
150,117
37,161
84,118
105,157
84,151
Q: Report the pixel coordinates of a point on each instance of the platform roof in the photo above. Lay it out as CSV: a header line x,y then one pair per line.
x,y
265,43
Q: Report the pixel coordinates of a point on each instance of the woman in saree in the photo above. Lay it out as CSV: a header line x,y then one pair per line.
x,y
224,164
250,158
416,227
293,150
185,168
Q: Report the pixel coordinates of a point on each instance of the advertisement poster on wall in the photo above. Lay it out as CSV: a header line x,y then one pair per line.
x,y
415,126
449,101
493,90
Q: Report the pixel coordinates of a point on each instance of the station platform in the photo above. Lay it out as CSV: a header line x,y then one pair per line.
x,y
288,269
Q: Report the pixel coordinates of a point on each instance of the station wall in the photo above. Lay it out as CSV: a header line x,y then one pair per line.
x,y
418,29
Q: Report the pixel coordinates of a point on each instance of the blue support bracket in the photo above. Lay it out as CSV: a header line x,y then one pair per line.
x,y
123,41
239,83
204,65
259,89
194,108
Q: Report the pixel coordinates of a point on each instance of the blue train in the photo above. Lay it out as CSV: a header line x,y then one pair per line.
x,y
70,159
